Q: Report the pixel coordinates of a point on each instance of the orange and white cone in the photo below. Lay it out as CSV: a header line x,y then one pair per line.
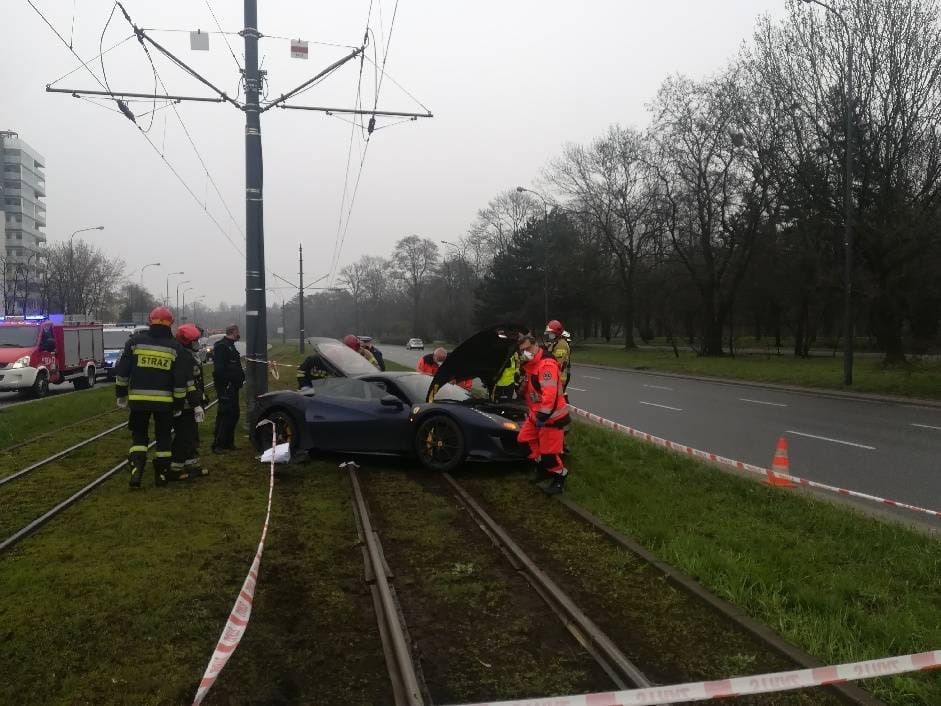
x,y
780,464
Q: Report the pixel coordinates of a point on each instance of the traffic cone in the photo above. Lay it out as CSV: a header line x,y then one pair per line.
x,y
780,464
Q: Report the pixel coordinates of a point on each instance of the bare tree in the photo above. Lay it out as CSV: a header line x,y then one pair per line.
x,y
608,183
504,216
415,260
82,279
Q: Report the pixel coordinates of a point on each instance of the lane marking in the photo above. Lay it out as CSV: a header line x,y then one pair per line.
x,y
835,441
659,387
577,389
662,406
770,404
589,377
926,426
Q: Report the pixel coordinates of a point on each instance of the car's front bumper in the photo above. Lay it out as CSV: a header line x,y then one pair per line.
x,y
17,378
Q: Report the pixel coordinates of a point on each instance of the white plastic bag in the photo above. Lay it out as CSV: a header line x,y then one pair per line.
x,y
282,454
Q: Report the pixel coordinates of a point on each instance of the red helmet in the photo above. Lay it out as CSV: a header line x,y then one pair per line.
x,y
555,327
160,316
187,335
351,340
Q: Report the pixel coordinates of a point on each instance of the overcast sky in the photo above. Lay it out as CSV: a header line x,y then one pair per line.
x,y
509,82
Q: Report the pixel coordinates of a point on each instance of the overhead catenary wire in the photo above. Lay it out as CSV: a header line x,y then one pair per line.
x,y
224,35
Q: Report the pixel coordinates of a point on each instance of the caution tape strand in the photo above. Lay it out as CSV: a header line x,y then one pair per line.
x,y
242,609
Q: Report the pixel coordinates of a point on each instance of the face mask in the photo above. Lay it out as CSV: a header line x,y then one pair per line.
x,y
528,355
551,336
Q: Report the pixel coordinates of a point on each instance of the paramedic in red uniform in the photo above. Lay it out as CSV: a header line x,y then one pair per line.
x,y
548,415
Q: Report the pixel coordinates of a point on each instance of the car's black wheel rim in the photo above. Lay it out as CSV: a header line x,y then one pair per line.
x,y
439,443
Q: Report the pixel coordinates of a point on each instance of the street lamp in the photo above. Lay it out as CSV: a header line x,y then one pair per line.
x,y
195,302
178,285
283,329
72,259
847,197
183,308
152,264
166,299
545,280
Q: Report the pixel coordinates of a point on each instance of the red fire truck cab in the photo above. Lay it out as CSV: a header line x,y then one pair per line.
x,y
37,350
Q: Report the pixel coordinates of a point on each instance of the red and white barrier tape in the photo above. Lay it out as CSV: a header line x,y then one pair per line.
x,y
748,467
272,366
743,686
242,610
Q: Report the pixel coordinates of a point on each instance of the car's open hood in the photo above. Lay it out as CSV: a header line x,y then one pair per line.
x,y
483,355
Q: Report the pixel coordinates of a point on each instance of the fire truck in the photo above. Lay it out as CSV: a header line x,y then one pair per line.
x,y
36,351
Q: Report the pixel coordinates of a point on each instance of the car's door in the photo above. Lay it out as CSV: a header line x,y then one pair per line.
x,y
349,414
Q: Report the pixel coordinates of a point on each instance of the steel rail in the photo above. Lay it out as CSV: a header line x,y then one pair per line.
x,y
65,452
624,672
401,666
28,529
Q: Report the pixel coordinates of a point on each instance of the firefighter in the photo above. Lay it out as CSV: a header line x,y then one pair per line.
x,y
354,343
229,377
311,369
558,345
150,381
548,415
508,382
185,459
376,353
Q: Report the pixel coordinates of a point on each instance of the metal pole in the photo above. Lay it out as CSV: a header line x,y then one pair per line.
x,y
300,300
848,332
545,281
256,332
284,331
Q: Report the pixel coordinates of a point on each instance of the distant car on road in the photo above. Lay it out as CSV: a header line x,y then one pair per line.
x,y
415,344
114,339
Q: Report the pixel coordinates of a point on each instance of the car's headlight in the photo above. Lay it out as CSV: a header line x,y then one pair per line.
x,y
21,362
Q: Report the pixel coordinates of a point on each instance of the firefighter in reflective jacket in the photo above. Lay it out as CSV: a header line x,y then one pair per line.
x,y
548,415
150,381
506,386
353,342
559,348
311,369
185,462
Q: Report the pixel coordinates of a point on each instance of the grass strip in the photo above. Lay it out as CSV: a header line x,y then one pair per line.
x,y
842,586
918,379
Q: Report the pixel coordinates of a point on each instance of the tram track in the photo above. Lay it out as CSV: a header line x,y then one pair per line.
x,y
624,649
72,498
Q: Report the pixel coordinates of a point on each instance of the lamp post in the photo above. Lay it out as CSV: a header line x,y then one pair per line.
x,y
152,264
72,277
183,308
178,285
166,299
283,329
545,270
850,96
195,302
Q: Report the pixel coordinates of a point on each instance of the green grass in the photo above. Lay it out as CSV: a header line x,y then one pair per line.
x,y
842,586
917,379
24,421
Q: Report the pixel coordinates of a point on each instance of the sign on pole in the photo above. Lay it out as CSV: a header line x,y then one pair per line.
x,y
199,41
298,49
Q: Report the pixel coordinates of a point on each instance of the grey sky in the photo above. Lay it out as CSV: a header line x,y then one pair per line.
x,y
509,83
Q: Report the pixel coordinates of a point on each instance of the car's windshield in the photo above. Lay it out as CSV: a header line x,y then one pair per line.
x,y
348,361
116,339
416,387
18,336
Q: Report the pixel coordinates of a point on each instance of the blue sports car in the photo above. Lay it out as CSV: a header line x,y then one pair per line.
x,y
361,410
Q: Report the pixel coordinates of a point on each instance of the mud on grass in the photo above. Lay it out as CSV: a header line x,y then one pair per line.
x,y
671,636
478,629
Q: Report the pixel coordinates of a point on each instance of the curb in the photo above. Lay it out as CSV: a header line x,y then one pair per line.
x,y
780,387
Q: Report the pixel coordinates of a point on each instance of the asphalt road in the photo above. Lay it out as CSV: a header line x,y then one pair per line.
x,y
12,399
885,449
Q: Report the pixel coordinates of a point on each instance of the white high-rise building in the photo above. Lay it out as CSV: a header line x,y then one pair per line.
x,y
22,200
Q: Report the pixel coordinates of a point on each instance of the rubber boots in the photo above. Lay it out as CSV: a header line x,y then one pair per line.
x,y
557,484
138,464
161,472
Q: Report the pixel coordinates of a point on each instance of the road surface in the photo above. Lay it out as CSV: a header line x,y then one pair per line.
x,y
12,399
891,450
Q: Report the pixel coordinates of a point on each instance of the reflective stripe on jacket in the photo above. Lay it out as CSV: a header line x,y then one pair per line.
x,y
149,373
542,390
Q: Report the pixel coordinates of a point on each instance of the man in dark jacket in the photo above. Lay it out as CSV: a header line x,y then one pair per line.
x,y
229,377
150,381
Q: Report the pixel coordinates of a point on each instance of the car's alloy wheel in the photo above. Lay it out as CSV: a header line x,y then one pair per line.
x,y
439,444
285,430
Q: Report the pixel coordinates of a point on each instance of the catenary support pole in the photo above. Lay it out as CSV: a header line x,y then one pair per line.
x,y
300,298
256,332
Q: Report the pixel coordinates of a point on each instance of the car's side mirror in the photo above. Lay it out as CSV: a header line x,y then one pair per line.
x,y
391,401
